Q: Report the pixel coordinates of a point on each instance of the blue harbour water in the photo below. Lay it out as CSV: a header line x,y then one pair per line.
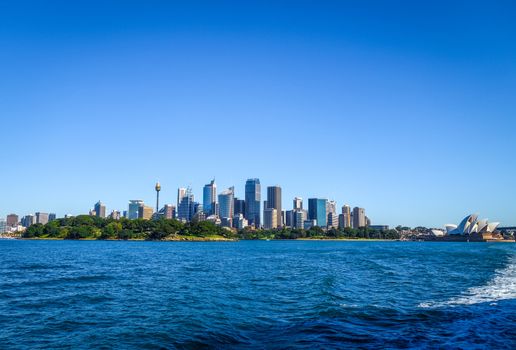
x,y
256,294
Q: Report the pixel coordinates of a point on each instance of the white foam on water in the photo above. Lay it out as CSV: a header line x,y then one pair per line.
x,y
501,287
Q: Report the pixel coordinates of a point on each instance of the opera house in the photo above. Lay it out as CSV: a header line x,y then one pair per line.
x,y
476,229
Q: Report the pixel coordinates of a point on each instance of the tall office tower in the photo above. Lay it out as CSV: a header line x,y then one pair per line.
x,y
253,195
226,202
289,218
346,216
298,203
209,198
367,222
331,207
168,211
239,206
185,210
3,226
270,218
100,209
317,211
274,202
359,219
41,218
333,220
52,217
145,212
28,220
134,205
115,215
11,220
299,218
181,192
157,188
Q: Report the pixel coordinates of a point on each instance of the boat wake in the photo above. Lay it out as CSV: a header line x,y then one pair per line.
x,y
501,287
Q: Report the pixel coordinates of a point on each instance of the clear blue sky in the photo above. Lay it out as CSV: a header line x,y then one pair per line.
x,y
405,108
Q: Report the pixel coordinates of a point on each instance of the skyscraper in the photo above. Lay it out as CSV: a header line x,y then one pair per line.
x,y
317,211
28,220
253,196
209,198
168,211
181,192
12,220
346,216
186,206
359,218
239,206
52,217
299,218
134,206
41,218
332,220
270,218
297,203
100,209
274,202
226,202
145,212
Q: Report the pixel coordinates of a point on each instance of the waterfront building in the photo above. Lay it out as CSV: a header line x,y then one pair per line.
x,y
3,226
124,214
181,192
209,198
186,206
300,217
367,221
28,220
333,220
134,206
308,224
12,220
100,209
470,224
253,197
52,217
270,218
346,217
274,202
239,206
41,218
226,202
317,211
297,203
145,212
359,218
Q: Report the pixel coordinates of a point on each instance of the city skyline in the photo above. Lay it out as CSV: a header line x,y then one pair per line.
x,y
407,111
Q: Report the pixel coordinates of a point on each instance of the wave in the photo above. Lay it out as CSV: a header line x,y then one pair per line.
x,y
501,287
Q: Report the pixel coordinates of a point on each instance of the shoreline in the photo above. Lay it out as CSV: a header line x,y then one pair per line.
x,y
223,239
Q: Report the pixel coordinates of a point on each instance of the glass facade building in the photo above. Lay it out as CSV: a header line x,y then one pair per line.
x,y
253,198
317,211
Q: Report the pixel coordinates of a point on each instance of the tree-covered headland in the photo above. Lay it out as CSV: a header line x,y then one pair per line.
x,y
91,227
